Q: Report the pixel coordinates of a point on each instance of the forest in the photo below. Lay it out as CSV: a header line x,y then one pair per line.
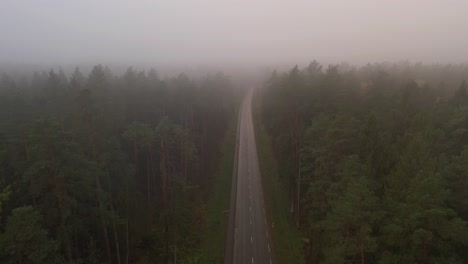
x,y
374,159
108,168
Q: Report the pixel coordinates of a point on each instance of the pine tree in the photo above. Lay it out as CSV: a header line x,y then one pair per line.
x,y
353,216
26,241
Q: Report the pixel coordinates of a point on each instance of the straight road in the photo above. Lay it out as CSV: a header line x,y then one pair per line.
x,y
248,238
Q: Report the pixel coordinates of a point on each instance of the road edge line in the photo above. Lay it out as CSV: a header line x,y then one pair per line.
x,y
229,250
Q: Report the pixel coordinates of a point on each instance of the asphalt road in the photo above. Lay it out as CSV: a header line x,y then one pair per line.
x,y
249,241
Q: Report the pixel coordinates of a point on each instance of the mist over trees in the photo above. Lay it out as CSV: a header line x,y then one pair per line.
x,y
374,159
108,169
105,168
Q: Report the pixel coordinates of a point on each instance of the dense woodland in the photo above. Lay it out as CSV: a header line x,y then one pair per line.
x,y
105,168
375,160
117,169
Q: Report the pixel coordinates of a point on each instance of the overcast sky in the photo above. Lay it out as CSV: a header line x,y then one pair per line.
x,y
261,32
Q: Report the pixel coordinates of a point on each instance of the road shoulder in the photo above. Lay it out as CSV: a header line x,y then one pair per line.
x,y
286,238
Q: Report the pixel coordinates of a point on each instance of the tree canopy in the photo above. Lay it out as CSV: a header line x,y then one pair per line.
x,y
107,168
374,159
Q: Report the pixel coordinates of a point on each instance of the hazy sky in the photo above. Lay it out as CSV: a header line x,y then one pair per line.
x,y
184,32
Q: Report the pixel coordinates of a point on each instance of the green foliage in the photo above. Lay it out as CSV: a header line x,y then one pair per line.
x,y
4,195
26,241
117,166
216,222
382,161
456,173
353,215
286,238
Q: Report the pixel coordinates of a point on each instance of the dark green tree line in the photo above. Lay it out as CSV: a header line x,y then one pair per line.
x,y
374,160
106,168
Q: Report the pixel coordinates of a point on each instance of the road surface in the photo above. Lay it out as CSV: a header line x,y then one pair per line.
x,y
248,238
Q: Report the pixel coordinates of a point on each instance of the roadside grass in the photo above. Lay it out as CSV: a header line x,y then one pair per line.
x,y
214,238
287,243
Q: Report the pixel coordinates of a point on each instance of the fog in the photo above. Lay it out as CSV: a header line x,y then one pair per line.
x,y
181,33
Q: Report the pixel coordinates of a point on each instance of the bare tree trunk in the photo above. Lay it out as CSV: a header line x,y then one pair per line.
x,y
166,237
26,150
127,245
59,193
164,169
153,174
98,194
103,221
297,162
296,166
205,176
148,179
175,254
116,238
291,191
135,156
424,258
185,151
299,193
19,257
182,160
363,258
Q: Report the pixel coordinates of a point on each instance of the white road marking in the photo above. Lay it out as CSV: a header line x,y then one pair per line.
x,y
249,161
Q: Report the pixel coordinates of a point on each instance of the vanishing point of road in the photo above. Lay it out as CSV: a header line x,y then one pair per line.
x,y
249,240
